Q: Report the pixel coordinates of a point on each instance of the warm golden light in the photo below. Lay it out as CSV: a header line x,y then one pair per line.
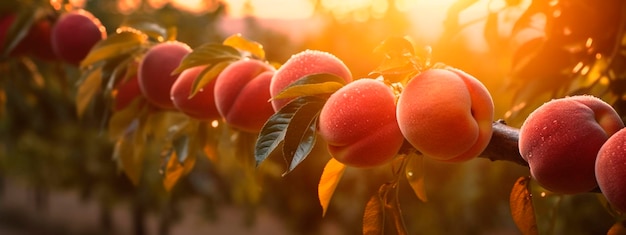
x,y
271,9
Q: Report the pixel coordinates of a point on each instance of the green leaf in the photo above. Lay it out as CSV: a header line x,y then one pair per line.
x,y
414,172
207,75
272,135
18,30
87,89
313,84
241,43
148,26
300,135
333,171
114,46
181,147
522,208
208,54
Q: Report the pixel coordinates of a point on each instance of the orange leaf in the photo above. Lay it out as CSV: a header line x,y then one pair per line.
x,y
175,170
522,208
415,175
328,182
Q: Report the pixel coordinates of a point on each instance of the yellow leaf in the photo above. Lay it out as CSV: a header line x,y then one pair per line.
x,y
121,120
415,175
308,89
241,43
87,89
129,157
114,46
333,171
175,170
522,208
207,75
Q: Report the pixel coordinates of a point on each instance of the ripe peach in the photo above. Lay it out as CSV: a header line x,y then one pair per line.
x,y
561,139
155,72
446,114
305,63
359,124
242,94
202,105
75,33
36,42
610,169
127,91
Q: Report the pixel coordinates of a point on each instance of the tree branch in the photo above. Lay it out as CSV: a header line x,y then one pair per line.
x,y
503,145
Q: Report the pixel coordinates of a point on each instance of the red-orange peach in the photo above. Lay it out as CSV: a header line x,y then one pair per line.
x,y
202,104
610,170
75,33
446,114
358,122
302,64
155,72
561,139
242,94
126,91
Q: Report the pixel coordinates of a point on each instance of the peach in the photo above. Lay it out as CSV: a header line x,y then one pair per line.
x,y
202,105
242,94
561,139
446,114
126,91
74,34
358,122
610,169
37,40
302,64
155,72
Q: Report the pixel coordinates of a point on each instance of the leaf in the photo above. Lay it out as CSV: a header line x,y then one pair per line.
x,y
207,75
175,169
300,135
114,46
522,208
148,26
121,120
619,228
129,157
18,30
272,134
374,216
241,43
181,148
313,84
207,54
395,46
333,171
414,171
87,89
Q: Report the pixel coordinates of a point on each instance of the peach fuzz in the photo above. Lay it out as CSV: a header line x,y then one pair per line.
x,y
358,122
202,105
561,139
446,114
154,72
242,94
610,169
302,64
73,47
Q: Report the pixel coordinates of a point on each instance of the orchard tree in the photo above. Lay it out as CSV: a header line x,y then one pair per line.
x,y
166,107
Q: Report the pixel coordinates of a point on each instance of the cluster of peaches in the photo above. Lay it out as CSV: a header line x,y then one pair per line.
x,y
69,37
445,114
575,145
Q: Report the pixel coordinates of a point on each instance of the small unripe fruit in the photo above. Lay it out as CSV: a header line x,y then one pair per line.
x,y
202,105
358,122
155,72
610,170
305,63
561,139
446,114
74,34
242,94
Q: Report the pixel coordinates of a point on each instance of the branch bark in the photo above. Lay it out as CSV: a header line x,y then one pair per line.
x,y
503,145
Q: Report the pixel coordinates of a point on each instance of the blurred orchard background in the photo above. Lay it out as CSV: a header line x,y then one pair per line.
x,y
57,175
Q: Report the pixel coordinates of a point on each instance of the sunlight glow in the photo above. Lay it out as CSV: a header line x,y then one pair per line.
x,y
271,9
